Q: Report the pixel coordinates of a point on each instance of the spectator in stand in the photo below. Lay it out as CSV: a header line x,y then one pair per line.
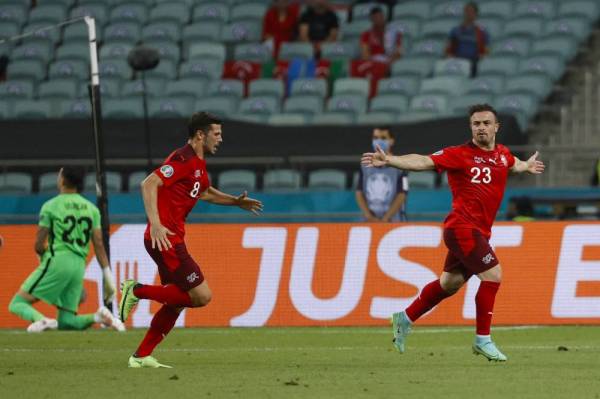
x,y
388,3
468,40
380,44
318,24
279,24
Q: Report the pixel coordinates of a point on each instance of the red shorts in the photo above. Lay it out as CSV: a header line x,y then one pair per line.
x,y
469,252
176,266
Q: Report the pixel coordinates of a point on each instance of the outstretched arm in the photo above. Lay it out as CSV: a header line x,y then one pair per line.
x,y
215,196
412,162
532,165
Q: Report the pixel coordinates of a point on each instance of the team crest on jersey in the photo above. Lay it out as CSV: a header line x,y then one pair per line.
x,y
503,160
478,159
197,173
167,171
440,152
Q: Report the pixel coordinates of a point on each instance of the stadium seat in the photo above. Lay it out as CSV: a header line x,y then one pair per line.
x,y
192,88
5,109
224,107
419,9
537,85
226,88
75,109
97,10
37,51
588,9
29,69
242,31
435,103
438,28
252,52
352,103
421,180
115,68
492,85
499,9
162,31
351,32
58,89
327,179
376,118
565,47
251,118
78,51
267,87
287,120
408,86
419,116
13,13
115,50
109,88
129,12
173,107
113,182
452,67
549,65
460,106
123,108
260,105
33,109
577,27
17,89
450,9
427,47
492,26
211,12
206,50
513,46
78,33
304,104
409,27
207,69
290,51
449,85
47,183
8,29
528,27
166,69
170,12
281,179
392,103
333,118
351,86
498,65
248,11
542,9
415,66
515,103
237,181
202,31
133,88
122,32
15,183
309,86
135,179
362,11
339,51
166,49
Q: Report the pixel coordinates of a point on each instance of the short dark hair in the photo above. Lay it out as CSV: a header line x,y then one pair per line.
x,y
202,121
473,5
482,108
73,177
375,10
385,127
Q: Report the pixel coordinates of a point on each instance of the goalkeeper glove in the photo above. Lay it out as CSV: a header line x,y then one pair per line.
x,y
108,285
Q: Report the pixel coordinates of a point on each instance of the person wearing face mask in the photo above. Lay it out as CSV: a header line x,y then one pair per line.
x,y
381,192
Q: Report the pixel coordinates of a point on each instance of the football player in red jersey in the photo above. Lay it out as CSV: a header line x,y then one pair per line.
x,y
170,193
477,173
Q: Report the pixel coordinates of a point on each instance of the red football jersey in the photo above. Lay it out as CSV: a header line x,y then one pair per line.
x,y
477,179
184,177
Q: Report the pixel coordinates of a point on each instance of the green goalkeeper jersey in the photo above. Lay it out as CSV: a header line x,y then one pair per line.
x,y
71,219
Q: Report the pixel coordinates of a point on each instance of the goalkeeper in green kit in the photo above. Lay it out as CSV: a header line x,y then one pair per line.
x,y
68,222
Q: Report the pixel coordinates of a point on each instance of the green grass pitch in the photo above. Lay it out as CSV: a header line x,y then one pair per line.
x,y
544,362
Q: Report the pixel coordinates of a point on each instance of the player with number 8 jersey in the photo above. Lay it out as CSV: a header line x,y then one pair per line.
x,y
477,175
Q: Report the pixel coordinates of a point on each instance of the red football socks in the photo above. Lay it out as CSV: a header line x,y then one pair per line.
x,y
162,322
484,301
430,295
168,294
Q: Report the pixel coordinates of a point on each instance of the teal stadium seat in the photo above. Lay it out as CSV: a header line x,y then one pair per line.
x,y
252,52
339,51
438,28
129,12
166,69
97,10
434,103
327,179
232,88
32,109
251,118
122,32
173,107
496,9
565,47
133,88
47,183
351,32
511,46
433,48
452,67
348,103
576,27
15,183
522,106
392,103
135,179
78,51
287,120
28,69
351,86
5,109
552,66
237,181
78,33
8,29
419,116
418,9
528,27
242,31
492,85
41,51
460,106
58,89
113,182
39,34
537,85
588,9
282,179
123,108
308,105
250,10
224,107
13,13
171,12
362,11
17,89
493,26
115,68
202,31
166,49
421,67
408,86
266,105
267,87
115,50
48,14
376,118
309,86
410,27
543,9
109,88
76,109
213,11
498,65
450,9
164,30
333,118
192,88
448,85
206,50
291,51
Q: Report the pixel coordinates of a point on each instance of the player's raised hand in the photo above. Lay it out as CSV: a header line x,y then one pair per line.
x,y
249,204
374,159
158,234
534,166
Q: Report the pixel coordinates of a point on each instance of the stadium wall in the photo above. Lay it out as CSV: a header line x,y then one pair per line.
x,y
344,274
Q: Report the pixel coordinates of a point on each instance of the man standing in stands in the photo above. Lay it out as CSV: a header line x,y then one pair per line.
x,y
468,40
380,44
381,192
279,24
318,24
